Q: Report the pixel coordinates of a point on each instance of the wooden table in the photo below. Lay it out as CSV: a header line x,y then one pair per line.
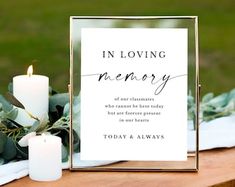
x,y
217,168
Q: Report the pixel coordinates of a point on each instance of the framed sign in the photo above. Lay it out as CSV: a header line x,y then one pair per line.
x,y
130,83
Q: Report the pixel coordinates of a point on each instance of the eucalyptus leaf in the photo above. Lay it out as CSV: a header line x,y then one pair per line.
x,y
10,87
219,101
9,150
60,110
53,116
232,94
76,142
8,124
65,137
190,99
76,106
191,107
66,110
11,98
41,127
76,114
6,106
52,91
65,154
58,100
2,161
34,127
15,124
22,152
12,114
3,139
230,107
76,147
207,97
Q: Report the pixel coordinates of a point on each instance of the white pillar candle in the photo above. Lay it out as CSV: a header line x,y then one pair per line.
x,y
33,92
45,158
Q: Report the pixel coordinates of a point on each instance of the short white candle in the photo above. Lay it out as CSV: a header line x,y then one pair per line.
x,y
33,92
45,158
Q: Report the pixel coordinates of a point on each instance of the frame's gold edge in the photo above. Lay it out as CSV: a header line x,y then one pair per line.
x,y
133,17
71,97
197,91
133,170
196,169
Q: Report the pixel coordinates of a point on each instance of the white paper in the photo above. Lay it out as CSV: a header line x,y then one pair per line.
x,y
134,94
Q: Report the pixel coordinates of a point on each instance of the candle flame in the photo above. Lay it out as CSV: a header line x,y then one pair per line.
x,y
30,71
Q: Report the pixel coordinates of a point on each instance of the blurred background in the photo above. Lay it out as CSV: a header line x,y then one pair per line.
x,y
37,32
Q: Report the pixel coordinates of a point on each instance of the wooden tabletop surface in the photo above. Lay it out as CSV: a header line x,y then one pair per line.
x,y
217,168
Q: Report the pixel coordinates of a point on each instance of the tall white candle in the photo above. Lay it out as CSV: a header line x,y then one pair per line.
x,y
33,92
45,158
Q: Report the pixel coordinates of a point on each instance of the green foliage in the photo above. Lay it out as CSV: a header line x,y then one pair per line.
x,y
11,132
14,101
1,161
219,106
22,152
5,105
9,151
7,111
58,100
3,139
212,107
56,105
65,154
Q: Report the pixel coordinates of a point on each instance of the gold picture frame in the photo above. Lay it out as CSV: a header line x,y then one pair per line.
x,y
188,22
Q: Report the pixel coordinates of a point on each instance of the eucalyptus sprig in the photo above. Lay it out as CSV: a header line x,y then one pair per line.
x,y
57,124
212,107
11,98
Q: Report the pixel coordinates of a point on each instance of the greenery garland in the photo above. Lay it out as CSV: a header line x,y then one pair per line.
x,y
12,132
212,107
